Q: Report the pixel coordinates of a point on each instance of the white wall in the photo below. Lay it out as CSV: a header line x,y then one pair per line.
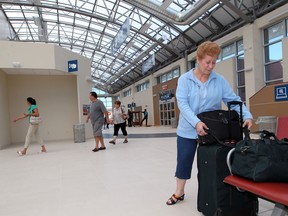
x,y
42,73
140,98
83,86
285,59
145,98
227,69
56,98
5,137
28,55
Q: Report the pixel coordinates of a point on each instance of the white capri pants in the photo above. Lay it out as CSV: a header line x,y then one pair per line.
x,y
33,130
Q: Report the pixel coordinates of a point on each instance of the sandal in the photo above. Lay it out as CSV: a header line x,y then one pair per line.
x,y
95,150
102,148
174,199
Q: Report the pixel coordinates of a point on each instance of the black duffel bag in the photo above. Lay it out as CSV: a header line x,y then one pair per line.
x,y
224,125
261,160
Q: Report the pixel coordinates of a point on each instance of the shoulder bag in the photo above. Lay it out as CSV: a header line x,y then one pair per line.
x,y
35,120
224,125
261,160
124,116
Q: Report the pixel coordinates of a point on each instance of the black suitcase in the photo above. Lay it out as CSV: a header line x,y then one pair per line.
x,y
216,198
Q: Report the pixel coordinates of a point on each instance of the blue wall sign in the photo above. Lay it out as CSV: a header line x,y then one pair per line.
x,y
166,95
72,66
281,92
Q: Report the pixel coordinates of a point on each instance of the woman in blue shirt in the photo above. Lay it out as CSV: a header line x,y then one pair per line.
x,y
33,128
200,89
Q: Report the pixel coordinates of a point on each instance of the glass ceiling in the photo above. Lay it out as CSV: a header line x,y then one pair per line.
x,y
88,27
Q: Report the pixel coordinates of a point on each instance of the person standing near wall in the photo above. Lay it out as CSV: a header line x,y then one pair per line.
x,y
130,118
96,115
145,117
33,128
119,120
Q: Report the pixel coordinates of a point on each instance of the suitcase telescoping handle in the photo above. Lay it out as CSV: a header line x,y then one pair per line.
x,y
233,103
228,161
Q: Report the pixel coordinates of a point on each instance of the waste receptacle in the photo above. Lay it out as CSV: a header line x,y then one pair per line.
x,y
79,133
268,123
174,123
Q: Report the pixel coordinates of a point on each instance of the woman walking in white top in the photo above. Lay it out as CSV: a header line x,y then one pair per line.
x,y
119,120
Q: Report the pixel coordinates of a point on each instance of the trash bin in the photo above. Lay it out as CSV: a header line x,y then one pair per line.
x,y
174,122
268,123
79,133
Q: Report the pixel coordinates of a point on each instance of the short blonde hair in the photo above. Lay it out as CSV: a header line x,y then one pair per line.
x,y
208,48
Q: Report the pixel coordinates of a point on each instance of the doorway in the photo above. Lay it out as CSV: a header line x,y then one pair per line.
x,y
167,112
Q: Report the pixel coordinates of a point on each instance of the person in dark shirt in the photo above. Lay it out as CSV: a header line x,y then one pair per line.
x,y
130,118
145,117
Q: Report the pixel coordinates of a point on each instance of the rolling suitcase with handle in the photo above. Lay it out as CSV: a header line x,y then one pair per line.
x,y
215,198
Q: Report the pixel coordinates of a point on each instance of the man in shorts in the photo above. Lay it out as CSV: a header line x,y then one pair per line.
x,y
96,116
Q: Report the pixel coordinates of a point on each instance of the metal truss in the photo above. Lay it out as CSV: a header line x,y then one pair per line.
x,y
88,27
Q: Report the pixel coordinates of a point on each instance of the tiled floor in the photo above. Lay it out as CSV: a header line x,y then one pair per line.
x,y
133,179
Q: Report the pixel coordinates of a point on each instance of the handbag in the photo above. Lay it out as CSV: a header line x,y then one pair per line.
x,y
261,160
124,116
224,125
35,120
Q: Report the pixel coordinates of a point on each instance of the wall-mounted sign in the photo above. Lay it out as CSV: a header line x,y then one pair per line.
x,y
72,66
281,92
164,87
86,109
166,95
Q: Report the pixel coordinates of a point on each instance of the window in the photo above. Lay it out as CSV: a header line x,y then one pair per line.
x,y
143,86
273,70
103,96
163,78
192,64
117,97
107,102
176,73
168,76
98,91
228,51
240,66
127,93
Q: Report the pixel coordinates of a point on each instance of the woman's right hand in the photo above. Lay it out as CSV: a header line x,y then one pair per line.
x,y
201,128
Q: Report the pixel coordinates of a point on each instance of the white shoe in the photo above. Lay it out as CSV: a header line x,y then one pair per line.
x,y
20,153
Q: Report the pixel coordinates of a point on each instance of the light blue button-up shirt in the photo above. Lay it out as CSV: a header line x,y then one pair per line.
x,y
194,97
